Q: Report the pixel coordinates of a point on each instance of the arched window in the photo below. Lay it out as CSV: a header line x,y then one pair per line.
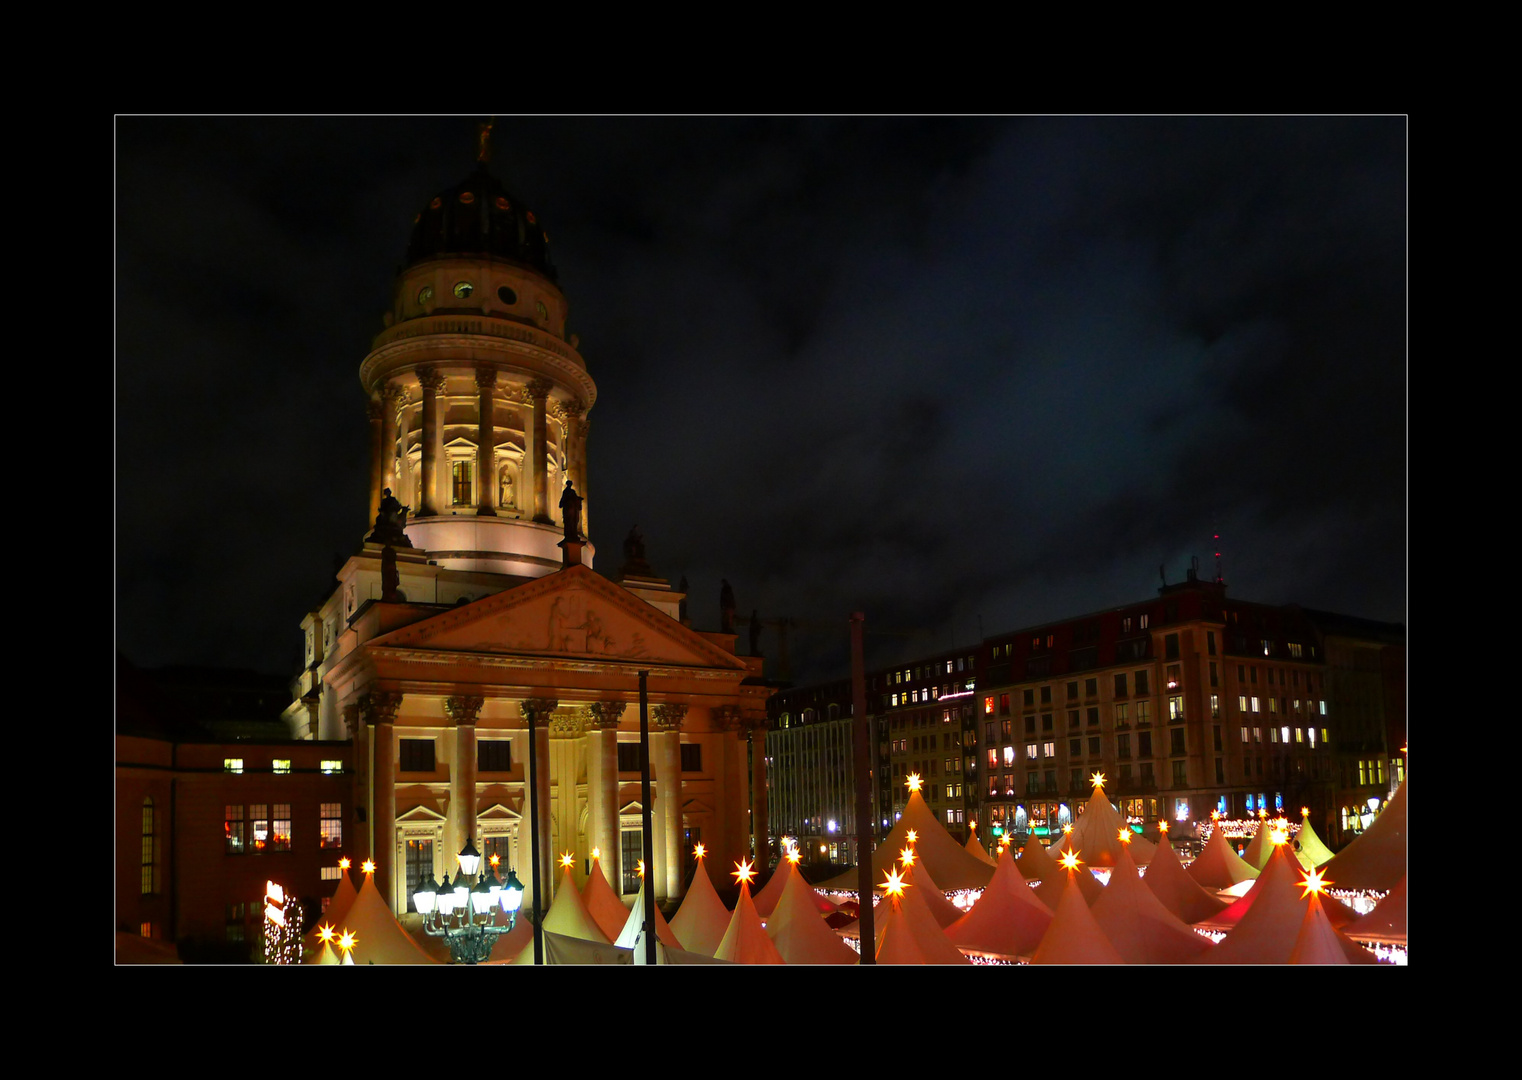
x,y
150,872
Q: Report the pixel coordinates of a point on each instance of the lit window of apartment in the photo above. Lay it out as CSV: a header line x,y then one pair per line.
x,y
1300,735
1144,712
988,706
1285,732
1125,625
1030,751
1122,714
1273,705
1257,737
1268,647
1312,733
232,765
282,766
1255,704
1244,735
330,826
1323,708
1323,735
1215,706
280,827
150,834
1176,707
1009,757
1049,749
1294,649
232,829
1142,622
332,768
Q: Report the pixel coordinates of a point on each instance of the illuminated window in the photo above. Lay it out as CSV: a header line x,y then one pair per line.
x,y
150,882
282,766
330,825
1257,737
232,765
1273,734
259,827
1300,735
1273,705
988,706
1144,712
1215,706
332,768
1244,735
1122,715
1323,709
1242,703
1142,622
1254,704
232,827
1030,751
1125,625
1003,704
280,828
1049,749
461,475
1176,707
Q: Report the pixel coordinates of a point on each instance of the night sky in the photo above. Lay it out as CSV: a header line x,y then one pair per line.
x,y
955,373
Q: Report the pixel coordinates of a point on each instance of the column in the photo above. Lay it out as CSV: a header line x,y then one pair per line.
x,y
374,409
602,784
576,453
390,395
758,808
379,709
463,713
538,774
403,488
666,764
486,443
565,741
432,382
731,828
538,391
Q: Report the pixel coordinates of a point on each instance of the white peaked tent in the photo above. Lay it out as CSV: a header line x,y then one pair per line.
x,y
766,900
944,911
602,902
327,956
569,916
908,934
1376,861
665,955
634,923
338,907
378,937
799,931
1263,926
1218,867
952,865
1095,831
564,949
1035,864
1142,930
1168,881
1259,848
700,923
1318,943
975,847
1050,891
1074,937
745,940
1308,848
1386,924
1007,920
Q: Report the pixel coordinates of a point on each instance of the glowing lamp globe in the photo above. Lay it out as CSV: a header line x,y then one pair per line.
x,y
470,859
482,899
512,893
461,891
443,899
426,895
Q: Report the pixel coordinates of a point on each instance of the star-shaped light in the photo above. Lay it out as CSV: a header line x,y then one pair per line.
x,y
1278,836
743,875
1067,828
1070,859
1098,779
1124,836
906,856
325,932
1313,883
566,860
1263,814
793,855
894,884
597,853
343,863
347,941
496,861
368,866
1215,815
1305,811
914,781
700,851
1162,825
912,836
640,866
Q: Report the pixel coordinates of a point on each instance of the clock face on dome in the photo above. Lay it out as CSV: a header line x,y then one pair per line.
x,y
544,312
463,289
425,294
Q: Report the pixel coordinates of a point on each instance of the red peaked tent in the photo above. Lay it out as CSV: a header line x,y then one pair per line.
x,y
1142,930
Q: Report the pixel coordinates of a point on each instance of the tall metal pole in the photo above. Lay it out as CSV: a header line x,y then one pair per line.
x,y
533,825
647,886
864,781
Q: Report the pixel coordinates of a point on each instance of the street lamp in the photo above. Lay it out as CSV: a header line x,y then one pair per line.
x,y
465,916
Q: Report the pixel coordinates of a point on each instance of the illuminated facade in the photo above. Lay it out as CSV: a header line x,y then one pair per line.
x,y
479,404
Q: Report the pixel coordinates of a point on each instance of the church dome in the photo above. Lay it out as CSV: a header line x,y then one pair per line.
x,y
479,216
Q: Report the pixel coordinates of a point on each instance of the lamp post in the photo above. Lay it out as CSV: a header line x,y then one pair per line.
x,y
465,916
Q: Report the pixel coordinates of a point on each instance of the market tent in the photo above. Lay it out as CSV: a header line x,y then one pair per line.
x,y
1263,926
338,907
975,847
1168,881
787,869
907,932
634,924
1142,930
1074,937
700,923
378,937
565,949
1318,943
953,866
799,931
1007,920
607,910
1035,864
569,916
745,940
944,910
326,956
665,954
1259,847
1308,848
1376,861
1386,924
1050,891
1218,867
1094,833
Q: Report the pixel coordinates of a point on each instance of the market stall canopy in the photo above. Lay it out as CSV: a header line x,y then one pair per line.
x,y
953,866
665,954
799,931
976,849
1318,943
1050,891
565,949
1094,833
607,910
1007,920
1218,867
745,940
1035,864
700,923
1142,930
1074,937
907,932
1263,926
1168,881
1259,848
1309,850
379,938
1376,861
634,924
569,916
944,911
338,906
1386,924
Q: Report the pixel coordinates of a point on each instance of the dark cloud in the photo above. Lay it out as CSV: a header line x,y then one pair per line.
x,y
936,370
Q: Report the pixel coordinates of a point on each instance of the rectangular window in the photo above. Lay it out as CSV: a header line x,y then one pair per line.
x,y
1072,691
1362,778
1210,645
1254,673
232,827
1215,706
1093,745
1029,698
1180,774
1009,757
1285,732
282,766
1244,735
1144,712
1257,736
1300,735
1141,622
1220,771
1049,749
280,828
1255,703
1006,729
1294,649
460,475
494,755
1273,705
232,765
1176,741
1072,719
1242,703
417,755
1046,695
633,852
1273,734
330,825
234,923
1093,716
1122,715
1170,647
1323,708
993,757
1144,744
1175,707
1003,704
1125,625
1215,679
1123,746
988,706
1075,747
692,757
1030,724
1120,686
332,768
149,829
1141,682
628,757
1030,751
259,827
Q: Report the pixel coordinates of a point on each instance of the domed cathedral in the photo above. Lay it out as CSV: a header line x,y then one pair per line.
x,y
470,612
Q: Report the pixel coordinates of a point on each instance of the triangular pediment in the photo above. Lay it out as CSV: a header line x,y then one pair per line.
x,y
498,812
421,813
693,806
573,613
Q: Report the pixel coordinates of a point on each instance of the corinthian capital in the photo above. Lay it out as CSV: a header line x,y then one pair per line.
x,y
539,389
670,717
431,379
606,714
350,720
537,710
394,394
725,717
565,725
463,710
380,706
486,377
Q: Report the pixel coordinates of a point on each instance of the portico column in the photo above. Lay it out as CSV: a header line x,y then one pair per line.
x,y
462,713
538,391
403,487
539,777
565,739
758,809
390,394
665,748
379,708
432,382
602,784
486,439
374,408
